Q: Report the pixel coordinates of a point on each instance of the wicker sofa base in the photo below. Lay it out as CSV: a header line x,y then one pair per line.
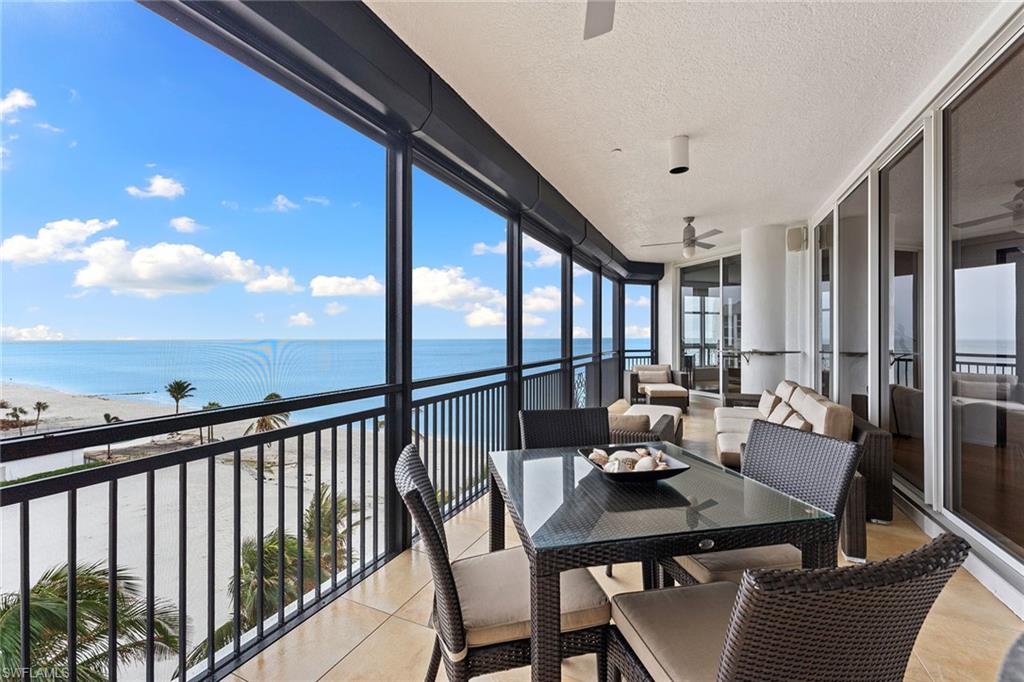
x,y
682,402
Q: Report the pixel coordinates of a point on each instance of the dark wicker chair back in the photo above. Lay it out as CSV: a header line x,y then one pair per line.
x,y
810,467
850,623
414,486
559,428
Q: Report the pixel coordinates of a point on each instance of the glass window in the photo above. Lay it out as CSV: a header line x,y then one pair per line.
x,y
607,318
638,316
732,363
984,194
823,288
458,281
701,295
902,236
542,301
167,242
585,376
853,303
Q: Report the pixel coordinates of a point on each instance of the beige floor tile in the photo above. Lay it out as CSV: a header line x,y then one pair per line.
x,y
395,584
625,578
317,645
461,532
418,609
952,649
396,651
967,599
916,672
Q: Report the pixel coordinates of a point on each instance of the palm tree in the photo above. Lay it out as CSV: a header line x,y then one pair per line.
x,y
48,613
248,588
179,389
40,407
269,422
209,429
16,414
110,419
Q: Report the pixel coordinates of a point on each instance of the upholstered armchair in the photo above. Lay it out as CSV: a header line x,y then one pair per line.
x,y
657,385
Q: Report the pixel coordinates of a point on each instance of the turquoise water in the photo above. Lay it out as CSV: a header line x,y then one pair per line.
x,y
235,372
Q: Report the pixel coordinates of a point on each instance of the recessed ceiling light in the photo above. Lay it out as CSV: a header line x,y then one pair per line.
x,y
616,149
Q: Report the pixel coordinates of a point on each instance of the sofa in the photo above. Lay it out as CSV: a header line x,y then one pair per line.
x,y
656,385
640,423
804,408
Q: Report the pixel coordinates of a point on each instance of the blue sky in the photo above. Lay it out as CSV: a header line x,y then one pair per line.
x,y
155,188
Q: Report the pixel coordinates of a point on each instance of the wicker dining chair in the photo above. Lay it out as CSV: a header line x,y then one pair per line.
x,y
481,610
809,466
851,623
560,428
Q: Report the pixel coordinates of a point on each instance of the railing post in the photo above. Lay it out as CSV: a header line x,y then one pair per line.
x,y
398,422
566,365
654,325
514,331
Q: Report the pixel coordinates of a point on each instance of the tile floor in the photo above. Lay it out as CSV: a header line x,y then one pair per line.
x,y
378,631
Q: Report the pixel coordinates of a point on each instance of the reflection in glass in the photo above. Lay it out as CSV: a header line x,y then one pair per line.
x,y
542,301
823,273
731,318
701,297
902,238
853,301
607,319
984,174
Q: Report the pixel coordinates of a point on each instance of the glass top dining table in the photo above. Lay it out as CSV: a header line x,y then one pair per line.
x,y
569,515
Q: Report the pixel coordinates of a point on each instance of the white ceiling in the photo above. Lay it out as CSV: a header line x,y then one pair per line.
x,y
781,101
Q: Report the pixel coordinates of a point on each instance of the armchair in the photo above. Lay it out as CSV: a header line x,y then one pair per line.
x,y
657,385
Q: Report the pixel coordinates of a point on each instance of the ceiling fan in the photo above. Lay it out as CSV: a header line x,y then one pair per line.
x,y
600,17
1014,207
691,240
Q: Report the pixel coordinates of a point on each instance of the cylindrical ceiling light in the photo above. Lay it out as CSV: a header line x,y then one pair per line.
x,y
689,251
679,151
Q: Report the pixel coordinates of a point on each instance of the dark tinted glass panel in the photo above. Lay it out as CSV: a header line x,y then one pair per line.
x,y
823,294
853,300
701,318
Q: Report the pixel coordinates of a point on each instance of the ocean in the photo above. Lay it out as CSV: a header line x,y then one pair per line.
x,y
237,372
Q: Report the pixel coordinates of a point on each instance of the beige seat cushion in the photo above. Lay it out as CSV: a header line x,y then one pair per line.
x,y
620,406
741,412
801,394
629,422
785,389
730,564
767,403
734,425
677,633
655,412
729,446
653,376
780,414
829,418
795,421
494,591
664,390
658,368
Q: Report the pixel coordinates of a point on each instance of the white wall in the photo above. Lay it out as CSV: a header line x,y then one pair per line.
x,y
668,318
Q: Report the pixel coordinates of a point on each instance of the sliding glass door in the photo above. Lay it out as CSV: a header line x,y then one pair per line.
x,y
852,362
984,302
901,221
731,324
823,303
701,320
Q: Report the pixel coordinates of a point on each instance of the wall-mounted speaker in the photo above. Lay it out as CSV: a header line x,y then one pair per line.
x,y
796,239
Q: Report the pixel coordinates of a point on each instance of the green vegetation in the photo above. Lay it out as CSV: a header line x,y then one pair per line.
x,y
179,389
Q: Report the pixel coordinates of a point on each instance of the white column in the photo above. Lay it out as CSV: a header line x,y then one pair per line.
x,y
765,312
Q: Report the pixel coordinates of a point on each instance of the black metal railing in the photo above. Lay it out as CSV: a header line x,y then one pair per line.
x,y
455,431
543,390
632,358
288,552
903,365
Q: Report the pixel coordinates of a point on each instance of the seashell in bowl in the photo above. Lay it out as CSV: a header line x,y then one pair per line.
x,y
643,452
645,464
618,466
599,457
662,465
626,455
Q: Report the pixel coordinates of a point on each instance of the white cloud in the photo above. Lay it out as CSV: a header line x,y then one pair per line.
x,y
185,224
330,285
300,320
72,144
482,316
154,271
159,187
578,270
14,100
282,204
544,256
260,317
531,320
40,332
480,248
151,164
231,205
72,95
542,300
356,204
49,128
334,308
52,241
636,331
272,282
580,333
323,201
640,301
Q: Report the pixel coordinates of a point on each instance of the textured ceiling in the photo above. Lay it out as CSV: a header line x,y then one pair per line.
x,y
781,101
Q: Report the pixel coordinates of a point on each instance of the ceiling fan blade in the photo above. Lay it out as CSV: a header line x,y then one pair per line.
x,y
661,244
709,233
600,17
704,245
982,221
